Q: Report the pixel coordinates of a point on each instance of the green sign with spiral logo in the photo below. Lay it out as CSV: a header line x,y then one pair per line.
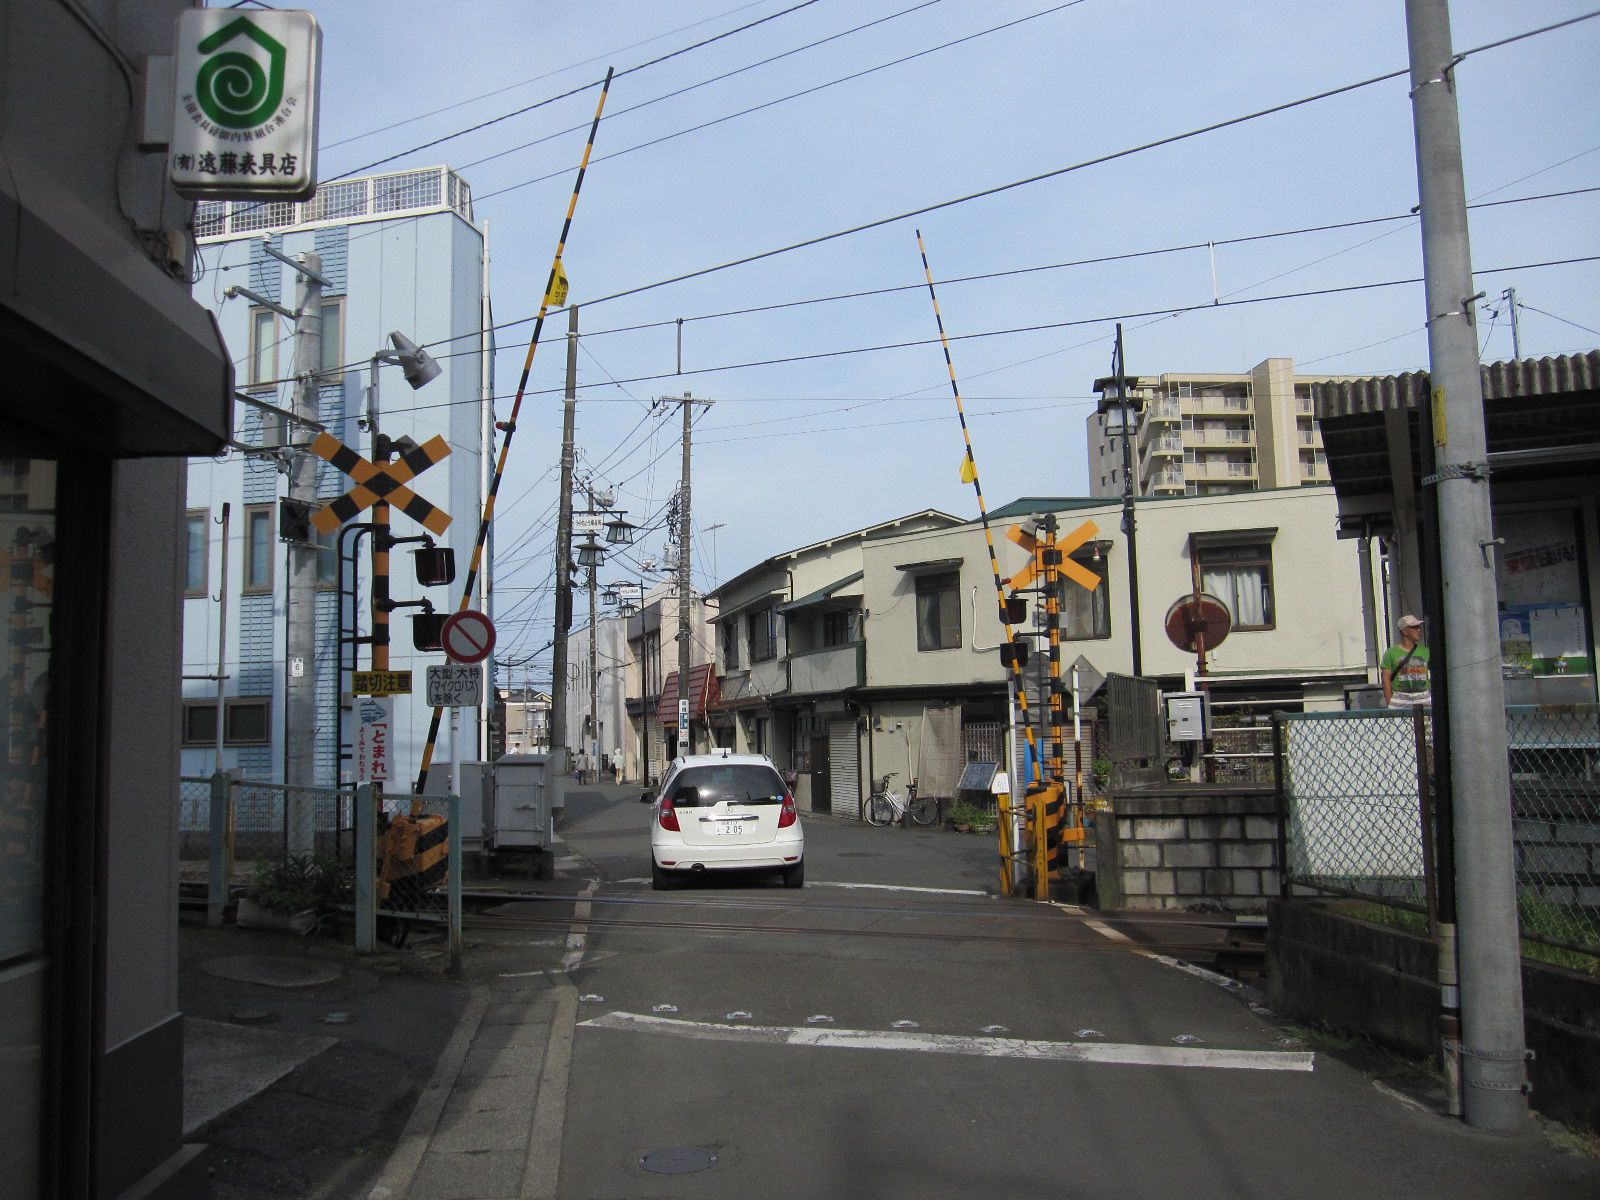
x,y
244,104
233,88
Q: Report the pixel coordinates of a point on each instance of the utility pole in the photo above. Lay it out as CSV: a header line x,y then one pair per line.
x,y
558,661
1493,1046
1516,331
1129,520
685,577
300,618
592,743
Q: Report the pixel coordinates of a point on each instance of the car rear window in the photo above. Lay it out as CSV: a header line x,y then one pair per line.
x,y
745,783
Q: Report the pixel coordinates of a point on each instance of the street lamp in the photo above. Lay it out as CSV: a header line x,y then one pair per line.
x,y
1120,410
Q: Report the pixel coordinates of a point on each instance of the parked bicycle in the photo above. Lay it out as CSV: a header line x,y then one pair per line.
x,y
885,807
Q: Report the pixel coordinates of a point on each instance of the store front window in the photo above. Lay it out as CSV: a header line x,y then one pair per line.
x,y
27,578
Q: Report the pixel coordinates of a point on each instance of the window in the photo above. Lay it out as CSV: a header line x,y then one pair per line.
x,y
838,628
264,339
259,522
760,738
746,783
1086,614
332,339
939,611
728,633
763,635
1240,575
244,718
196,576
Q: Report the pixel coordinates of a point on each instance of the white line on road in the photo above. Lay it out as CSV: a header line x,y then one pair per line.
x,y
893,887
976,1047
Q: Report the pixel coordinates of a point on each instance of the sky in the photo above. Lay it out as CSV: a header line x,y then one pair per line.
x,y
831,412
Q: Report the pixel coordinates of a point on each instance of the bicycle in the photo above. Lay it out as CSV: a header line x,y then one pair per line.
x,y
885,807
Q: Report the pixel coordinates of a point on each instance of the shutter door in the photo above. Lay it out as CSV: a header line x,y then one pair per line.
x,y
844,769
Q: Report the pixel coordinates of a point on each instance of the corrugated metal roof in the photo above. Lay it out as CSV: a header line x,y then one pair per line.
x,y
1519,377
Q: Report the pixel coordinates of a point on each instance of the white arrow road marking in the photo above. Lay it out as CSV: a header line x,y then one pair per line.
x,y
976,1047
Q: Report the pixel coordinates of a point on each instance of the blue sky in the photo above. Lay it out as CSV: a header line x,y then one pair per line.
x,y
794,452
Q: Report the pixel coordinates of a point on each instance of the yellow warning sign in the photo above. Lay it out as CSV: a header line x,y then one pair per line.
x,y
558,289
381,683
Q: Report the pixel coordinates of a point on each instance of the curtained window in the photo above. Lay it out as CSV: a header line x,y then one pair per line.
x,y
1240,575
939,611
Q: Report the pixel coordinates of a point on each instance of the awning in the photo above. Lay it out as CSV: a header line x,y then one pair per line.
x,y
821,594
702,694
928,566
116,356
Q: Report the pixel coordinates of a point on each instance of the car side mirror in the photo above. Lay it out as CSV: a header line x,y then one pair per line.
x,y
648,798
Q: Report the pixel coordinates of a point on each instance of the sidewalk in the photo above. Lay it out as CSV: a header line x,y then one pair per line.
x,y
311,1071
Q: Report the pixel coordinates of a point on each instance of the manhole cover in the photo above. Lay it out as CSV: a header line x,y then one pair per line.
x,y
273,970
678,1160
859,854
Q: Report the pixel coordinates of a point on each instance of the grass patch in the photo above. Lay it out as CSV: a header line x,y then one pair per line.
x,y
1536,914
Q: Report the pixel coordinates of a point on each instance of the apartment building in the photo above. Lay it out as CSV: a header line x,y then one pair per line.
x,y
1209,434
400,252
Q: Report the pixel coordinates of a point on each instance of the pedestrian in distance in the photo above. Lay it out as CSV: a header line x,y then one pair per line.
x,y
1407,682
583,765
616,765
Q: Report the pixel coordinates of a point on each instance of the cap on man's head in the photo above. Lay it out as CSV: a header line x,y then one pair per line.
x,y
1407,621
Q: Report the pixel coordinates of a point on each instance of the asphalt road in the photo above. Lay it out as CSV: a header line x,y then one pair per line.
x,y
895,1029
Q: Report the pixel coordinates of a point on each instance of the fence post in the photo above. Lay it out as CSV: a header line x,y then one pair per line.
x,y
1283,805
454,887
366,869
217,848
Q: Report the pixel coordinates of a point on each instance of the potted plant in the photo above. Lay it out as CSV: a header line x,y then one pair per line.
x,y
964,817
297,893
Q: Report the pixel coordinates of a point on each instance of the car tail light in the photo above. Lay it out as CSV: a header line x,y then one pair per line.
x,y
669,817
787,815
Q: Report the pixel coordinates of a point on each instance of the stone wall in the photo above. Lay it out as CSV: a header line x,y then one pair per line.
x,y
1188,845
1337,970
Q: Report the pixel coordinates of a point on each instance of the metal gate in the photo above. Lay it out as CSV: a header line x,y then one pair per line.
x,y
844,768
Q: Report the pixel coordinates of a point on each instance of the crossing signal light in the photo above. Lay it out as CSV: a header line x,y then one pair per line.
x,y
1014,655
427,631
1014,611
294,520
435,565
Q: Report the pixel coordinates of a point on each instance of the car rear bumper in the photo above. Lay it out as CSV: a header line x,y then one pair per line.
x,y
768,856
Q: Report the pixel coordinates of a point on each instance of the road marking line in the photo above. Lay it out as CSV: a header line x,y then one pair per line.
x,y
892,887
975,1047
577,938
1188,968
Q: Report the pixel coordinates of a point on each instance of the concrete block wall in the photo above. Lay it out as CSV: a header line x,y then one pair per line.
x,y
1560,859
1188,846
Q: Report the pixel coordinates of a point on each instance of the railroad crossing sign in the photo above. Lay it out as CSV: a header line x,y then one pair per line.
x,y
374,482
467,636
380,683
1079,575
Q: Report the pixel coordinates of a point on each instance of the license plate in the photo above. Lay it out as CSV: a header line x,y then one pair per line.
x,y
729,827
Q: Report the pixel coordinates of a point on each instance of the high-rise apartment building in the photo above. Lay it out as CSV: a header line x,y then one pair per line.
x,y
400,252
1206,434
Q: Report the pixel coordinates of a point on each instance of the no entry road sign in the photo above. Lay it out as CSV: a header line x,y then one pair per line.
x,y
468,636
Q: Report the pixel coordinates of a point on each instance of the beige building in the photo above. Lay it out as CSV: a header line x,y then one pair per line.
x,y
1210,434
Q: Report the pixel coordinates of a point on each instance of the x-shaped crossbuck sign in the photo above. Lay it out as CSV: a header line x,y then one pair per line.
x,y
1079,575
375,482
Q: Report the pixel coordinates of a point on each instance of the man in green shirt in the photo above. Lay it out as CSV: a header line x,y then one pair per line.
x,y
1406,680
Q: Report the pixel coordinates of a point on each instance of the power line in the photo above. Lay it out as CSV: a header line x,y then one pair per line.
x,y
672,95
527,108
745,112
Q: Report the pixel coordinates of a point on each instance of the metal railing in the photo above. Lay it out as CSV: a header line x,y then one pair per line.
x,y
1358,814
401,854
371,196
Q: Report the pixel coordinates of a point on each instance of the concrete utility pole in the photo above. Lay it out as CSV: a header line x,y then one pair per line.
x,y
685,576
592,743
1493,1047
558,660
300,620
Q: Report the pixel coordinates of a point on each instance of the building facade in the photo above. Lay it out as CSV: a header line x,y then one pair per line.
x,y
115,376
1210,434
400,253
650,681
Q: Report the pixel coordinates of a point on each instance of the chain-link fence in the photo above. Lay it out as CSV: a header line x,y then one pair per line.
x,y
1355,819
235,833
1358,813
1555,807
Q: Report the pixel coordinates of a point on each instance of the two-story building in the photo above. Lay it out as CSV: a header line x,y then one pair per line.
x,y
790,649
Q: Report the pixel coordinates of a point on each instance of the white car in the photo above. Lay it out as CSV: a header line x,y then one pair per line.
x,y
724,812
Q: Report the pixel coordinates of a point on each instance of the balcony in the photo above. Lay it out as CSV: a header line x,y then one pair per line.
x,y
1216,468
829,670
371,197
